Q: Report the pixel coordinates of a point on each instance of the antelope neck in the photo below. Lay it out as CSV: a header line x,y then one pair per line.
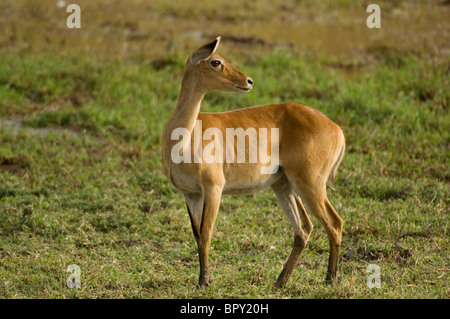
x,y
188,105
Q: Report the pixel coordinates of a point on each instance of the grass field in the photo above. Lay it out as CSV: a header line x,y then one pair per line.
x,y
82,113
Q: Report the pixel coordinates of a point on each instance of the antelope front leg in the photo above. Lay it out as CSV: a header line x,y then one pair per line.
x,y
210,208
203,224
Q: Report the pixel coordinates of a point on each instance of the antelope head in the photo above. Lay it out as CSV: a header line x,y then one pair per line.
x,y
213,73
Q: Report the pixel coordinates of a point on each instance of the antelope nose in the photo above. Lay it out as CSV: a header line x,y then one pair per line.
x,y
250,81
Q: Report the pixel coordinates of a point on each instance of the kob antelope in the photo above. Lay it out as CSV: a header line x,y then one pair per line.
x,y
310,149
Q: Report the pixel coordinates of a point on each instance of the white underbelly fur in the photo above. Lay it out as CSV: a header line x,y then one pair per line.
x,y
251,186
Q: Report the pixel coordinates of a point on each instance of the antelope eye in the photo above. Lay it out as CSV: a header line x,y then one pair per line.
x,y
215,63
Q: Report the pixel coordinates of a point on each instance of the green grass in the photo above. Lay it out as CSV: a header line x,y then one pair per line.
x,y
81,181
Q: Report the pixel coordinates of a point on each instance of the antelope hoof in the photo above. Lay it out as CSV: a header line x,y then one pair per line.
x,y
279,284
203,281
331,277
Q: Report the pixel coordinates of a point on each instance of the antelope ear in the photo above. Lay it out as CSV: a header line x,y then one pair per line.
x,y
205,51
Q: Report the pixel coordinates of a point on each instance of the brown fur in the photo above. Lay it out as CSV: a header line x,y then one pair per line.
x,y
311,148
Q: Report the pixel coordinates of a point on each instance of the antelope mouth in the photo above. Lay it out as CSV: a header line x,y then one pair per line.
x,y
240,88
